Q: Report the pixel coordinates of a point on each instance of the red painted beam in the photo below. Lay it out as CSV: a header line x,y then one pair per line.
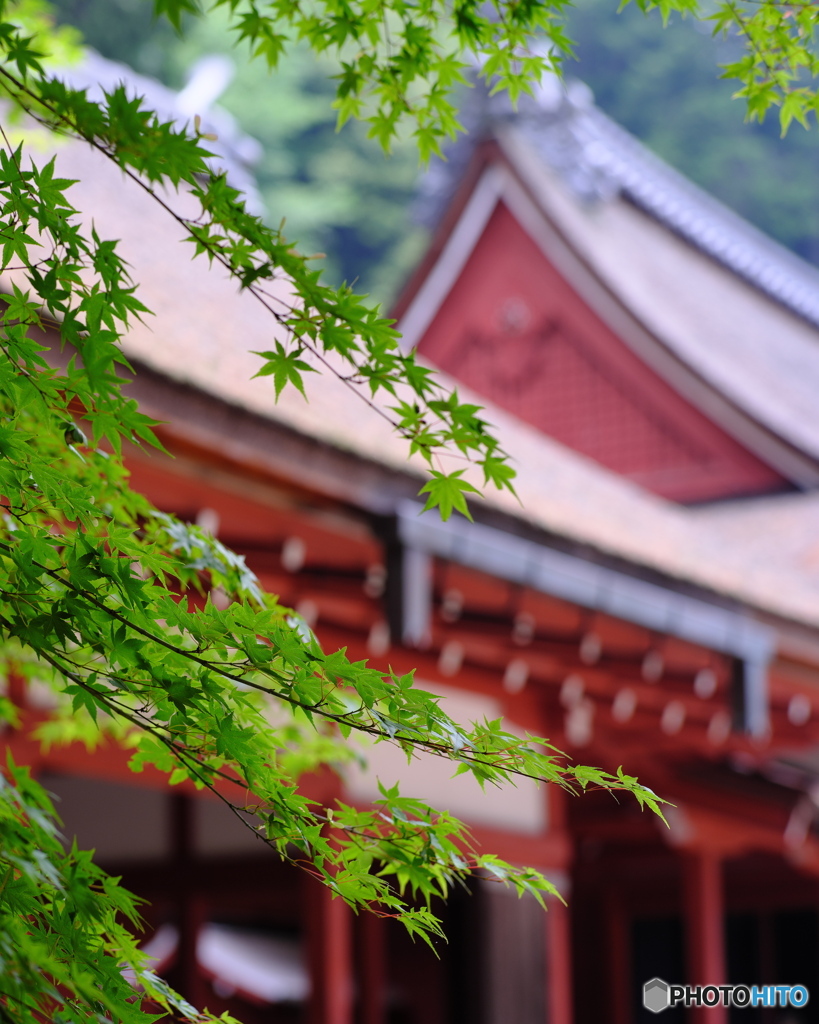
x,y
559,999
329,956
704,929
372,973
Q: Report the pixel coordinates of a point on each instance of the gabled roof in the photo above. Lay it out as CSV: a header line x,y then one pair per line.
x,y
202,336
597,159
721,312
201,340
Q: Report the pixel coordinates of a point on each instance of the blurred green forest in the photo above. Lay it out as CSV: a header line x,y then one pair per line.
x,y
342,196
664,86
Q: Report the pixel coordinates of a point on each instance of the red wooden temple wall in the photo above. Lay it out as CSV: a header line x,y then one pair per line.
x,y
600,688
514,330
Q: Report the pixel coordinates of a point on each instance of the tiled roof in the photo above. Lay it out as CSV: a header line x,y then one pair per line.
x,y
597,160
596,155
203,333
727,316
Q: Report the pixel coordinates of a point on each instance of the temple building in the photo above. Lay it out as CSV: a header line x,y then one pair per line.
x,y
651,364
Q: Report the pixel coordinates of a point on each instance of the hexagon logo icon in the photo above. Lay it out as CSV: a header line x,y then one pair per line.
x,y
656,995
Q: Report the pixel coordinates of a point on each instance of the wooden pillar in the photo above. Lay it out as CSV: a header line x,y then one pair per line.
x,y
767,949
191,917
329,956
618,943
191,911
559,1000
704,929
559,970
15,686
372,974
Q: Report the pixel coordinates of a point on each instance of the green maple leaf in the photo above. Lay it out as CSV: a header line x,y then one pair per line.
x,y
284,367
447,492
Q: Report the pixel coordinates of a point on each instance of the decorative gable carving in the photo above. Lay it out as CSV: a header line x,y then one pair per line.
x,y
515,331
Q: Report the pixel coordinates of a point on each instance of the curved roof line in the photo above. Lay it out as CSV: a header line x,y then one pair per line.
x,y
598,160
731,306
700,218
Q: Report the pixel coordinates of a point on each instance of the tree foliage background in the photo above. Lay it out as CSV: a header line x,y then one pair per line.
x,y
663,84
344,197
95,584
340,192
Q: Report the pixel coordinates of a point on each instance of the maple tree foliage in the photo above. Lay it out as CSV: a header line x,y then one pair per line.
x,y
90,573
